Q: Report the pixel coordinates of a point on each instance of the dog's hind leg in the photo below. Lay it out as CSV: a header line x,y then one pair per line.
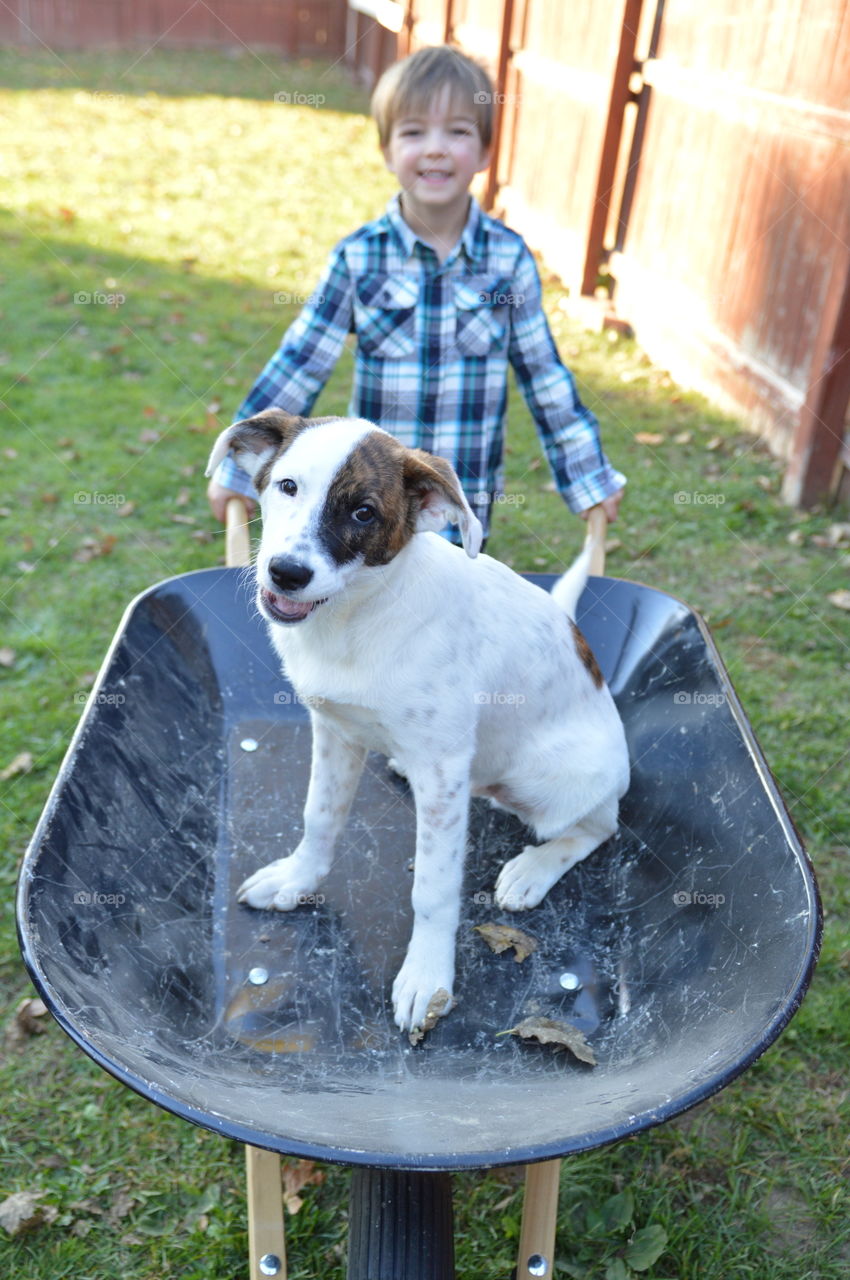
x,y
526,879
334,774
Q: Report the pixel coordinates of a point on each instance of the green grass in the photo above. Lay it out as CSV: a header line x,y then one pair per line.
x,y
177,185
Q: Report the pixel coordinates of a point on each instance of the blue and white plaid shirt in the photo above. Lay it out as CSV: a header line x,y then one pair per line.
x,y
434,341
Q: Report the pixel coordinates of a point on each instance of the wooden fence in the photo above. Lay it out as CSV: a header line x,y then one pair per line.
x,y
700,156
296,28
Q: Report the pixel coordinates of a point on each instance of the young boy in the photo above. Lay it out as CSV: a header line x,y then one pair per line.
x,y
441,298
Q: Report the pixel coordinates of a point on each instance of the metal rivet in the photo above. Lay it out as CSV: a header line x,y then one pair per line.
x,y
570,982
249,744
269,1264
257,977
537,1265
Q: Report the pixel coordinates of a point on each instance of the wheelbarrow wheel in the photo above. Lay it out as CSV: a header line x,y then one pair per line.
x,y
400,1226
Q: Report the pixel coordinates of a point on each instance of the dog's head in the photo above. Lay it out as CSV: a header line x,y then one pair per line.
x,y
337,495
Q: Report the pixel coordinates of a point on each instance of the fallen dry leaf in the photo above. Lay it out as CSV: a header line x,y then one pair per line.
x,y
7,657
551,1031
297,1176
840,598
22,763
21,1212
838,535
126,509
499,937
649,437
27,1020
440,1003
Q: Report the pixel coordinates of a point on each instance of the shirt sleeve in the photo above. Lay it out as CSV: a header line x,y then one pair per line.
x,y
568,431
303,362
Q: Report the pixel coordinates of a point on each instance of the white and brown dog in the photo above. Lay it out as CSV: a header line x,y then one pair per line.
x,y
474,680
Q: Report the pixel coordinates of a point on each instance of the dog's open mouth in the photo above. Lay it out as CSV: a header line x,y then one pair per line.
x,y
282,609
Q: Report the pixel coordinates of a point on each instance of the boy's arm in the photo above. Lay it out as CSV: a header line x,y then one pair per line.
x,y
302,364
568,430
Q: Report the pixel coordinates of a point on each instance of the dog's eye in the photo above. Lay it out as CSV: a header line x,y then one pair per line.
x,y
289,487
364,514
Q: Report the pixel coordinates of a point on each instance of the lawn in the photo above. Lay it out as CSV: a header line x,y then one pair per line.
x,y
161,217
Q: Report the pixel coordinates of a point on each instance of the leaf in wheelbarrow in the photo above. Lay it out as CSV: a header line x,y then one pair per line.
x,y
440,1003
499,937
551,1031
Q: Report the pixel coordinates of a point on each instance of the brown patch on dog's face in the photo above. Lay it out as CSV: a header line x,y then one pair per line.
x,y
586,657
370,510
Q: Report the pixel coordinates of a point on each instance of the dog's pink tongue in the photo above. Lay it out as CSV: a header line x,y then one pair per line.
x,y
291,608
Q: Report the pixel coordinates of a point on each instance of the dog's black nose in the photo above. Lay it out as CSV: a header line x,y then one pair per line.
x,y
288,574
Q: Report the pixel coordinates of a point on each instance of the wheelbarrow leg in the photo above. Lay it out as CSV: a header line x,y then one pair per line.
x,y
400,1225
266,1238
266,1242
539,1218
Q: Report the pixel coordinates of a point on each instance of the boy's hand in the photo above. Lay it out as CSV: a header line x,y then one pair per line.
x,y
610,506
219,497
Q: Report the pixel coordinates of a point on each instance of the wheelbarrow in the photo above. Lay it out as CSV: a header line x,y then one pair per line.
x,y
680,950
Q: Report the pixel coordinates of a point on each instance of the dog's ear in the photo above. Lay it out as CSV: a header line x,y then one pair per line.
x,y
440,499
254,440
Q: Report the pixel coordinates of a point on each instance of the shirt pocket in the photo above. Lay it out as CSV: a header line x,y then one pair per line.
x,y
384,314
481,304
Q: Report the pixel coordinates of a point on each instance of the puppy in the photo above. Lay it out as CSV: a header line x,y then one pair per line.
x,y
474,680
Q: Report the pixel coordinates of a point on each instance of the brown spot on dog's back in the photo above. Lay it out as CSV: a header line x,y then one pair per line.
x,y
586,657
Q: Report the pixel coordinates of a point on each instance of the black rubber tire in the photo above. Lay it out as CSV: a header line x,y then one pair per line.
x,y
400,1226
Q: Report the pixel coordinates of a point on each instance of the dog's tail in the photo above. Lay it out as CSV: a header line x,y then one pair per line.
x,y
591,559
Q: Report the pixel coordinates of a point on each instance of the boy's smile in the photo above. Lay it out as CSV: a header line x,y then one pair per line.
x,y
435,153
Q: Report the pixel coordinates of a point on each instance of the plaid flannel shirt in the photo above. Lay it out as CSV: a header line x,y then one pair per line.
x,y
434,341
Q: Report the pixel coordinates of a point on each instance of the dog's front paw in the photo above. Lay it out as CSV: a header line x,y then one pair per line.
x,y
417,985
524,881
281,886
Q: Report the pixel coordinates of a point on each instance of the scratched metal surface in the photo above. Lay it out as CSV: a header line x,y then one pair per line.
x,y
691,935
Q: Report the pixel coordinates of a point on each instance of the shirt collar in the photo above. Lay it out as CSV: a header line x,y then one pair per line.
x,y
471,238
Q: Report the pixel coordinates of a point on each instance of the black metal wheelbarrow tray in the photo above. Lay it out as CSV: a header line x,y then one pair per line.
x,y
680,953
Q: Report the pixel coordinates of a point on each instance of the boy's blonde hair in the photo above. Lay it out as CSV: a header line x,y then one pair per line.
x,y
407,87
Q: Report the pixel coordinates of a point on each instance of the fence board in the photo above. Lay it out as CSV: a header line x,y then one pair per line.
x,y
738,228
293,27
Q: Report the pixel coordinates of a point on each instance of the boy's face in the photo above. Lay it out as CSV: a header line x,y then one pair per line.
x,y
435,153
